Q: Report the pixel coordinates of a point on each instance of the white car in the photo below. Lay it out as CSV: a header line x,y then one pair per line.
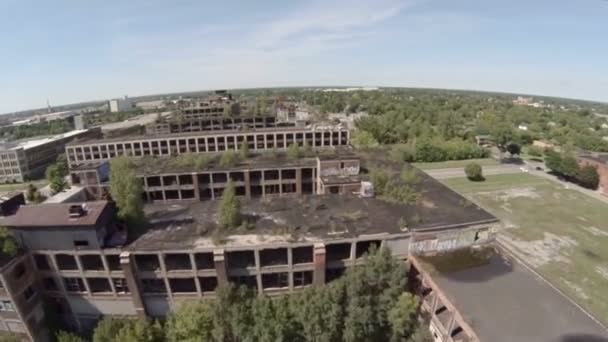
x,y
523,169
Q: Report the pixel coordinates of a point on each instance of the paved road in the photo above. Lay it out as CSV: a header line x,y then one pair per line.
x,y
459,171
504,301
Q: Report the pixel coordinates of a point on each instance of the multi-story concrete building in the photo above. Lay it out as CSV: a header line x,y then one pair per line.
x,y
123,104
86,152
21,160
86,265
201,124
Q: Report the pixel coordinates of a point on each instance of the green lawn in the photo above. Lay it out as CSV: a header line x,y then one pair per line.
x,y
5,188
574,257
455,163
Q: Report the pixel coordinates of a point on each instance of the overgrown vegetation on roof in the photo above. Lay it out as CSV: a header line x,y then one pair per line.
x,y
195,160
8,244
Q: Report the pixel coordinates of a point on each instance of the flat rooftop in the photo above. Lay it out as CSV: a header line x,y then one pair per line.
x,y
186,225
503,302
149,165
33,142
56,215
319,128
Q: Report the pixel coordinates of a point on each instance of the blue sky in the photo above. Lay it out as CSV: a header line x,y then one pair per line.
x,y
71,51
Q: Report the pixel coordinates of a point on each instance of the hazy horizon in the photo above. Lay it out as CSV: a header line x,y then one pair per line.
x,y
79,52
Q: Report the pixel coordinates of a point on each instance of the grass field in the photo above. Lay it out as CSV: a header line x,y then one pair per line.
x,y
455,163
562,233
4,188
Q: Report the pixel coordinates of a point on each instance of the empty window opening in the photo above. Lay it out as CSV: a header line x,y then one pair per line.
x,y
120,285
338,251
307,175
113,262
74,285
288,188
303,278
456,331
153,285
19,271
182,285
332,274
273,189
66,262
302,255
205,194
241,259
273,257
187,194
237,176
174,262
98,285
256,191
185,179
204,261
288,174
156,195
334,190
91,262
208,284
220,178
169,180
147,262
271,175
307,188
275,280
50,284
203,179
171,194
364,247
28,293
81,244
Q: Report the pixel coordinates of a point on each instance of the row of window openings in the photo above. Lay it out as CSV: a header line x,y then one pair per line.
x,y
221,177
236,259
96,285
105,151
216,192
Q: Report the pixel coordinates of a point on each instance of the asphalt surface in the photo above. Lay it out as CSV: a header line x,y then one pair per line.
x,y
505,302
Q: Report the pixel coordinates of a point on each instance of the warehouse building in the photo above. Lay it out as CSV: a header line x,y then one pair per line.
x,y
27,159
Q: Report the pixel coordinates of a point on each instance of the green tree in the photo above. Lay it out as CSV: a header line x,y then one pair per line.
x,y
513,149
229,159
364,139
535,151
293,151
64,336
307,150
379,179
244,150
402,317
107,328
569,167
474,172
229,212
8,244
588,177
192,322
56,178
126,190
553,161
32,194
140,330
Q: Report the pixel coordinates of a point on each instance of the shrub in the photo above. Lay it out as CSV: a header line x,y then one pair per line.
x,y
229,159
229,215
473,172
293,151
588,177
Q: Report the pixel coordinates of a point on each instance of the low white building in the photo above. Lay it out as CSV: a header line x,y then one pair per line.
x,y
124,104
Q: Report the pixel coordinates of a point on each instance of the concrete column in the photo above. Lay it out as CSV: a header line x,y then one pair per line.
x,y
299,181
197,193
126,263
339,137
255,142
319,263
247,184
221,268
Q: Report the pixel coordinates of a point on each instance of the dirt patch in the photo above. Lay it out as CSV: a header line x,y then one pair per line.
x,y
552,248
596,231
506,195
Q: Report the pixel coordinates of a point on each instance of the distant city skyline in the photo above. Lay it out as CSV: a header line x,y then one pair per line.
x,y
71,52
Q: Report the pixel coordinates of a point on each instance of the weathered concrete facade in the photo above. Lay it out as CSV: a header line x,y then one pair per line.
x,y
262,139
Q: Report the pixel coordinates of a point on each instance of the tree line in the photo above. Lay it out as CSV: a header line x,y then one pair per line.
x,y
369,303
